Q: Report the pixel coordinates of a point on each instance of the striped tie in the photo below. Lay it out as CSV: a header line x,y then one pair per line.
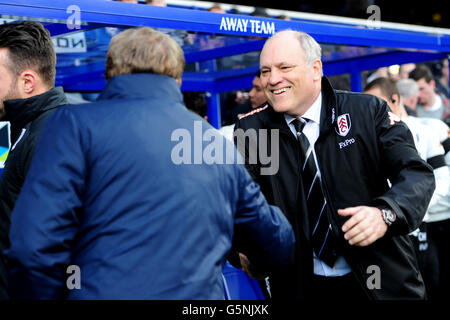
x,y
321,233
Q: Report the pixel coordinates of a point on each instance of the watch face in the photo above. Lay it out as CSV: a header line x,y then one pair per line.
x,y
389,216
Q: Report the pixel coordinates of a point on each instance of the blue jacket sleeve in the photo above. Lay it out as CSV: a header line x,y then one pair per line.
x,y
262,232
45,219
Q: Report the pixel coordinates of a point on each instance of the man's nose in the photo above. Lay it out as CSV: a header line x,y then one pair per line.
x,y
275,77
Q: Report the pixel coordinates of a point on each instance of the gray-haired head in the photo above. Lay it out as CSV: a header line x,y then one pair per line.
x,y
311,49
407,88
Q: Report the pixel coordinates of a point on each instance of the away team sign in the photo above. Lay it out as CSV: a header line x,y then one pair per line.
x,y
247,25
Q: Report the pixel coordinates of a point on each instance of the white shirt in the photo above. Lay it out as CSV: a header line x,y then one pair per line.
x,y
311,131
428,145
227,131
441,129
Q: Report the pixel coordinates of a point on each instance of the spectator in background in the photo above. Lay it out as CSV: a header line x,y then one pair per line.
x,y
432,238
440,73
27,99
260,12
257,99
409,92
158,3
216,8
379,73
106,194
283,17
196,102
431,103
444,79
405,69
256,94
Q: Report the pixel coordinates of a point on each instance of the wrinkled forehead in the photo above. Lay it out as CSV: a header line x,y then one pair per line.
x,y
281,38
283,47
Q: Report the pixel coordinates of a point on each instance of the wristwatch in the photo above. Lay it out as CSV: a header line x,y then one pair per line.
x,y
388,216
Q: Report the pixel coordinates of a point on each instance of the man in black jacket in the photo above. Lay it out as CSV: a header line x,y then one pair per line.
x,y
27,99
352,192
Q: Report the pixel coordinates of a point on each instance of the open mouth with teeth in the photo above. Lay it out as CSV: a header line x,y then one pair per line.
x,y
280,91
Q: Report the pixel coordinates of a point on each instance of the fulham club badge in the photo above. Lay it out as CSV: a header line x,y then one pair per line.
x,y
343,125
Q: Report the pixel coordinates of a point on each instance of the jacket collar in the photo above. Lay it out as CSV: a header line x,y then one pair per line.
x,y
329,109
142,85
19,112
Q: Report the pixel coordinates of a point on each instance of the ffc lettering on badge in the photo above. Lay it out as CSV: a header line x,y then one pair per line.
x,y
343,125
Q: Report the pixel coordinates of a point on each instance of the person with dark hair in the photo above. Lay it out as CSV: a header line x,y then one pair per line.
x,y
257,99
431,103
256,94
337,152
432,237
260,12
439,69
111,193
27,99
196,102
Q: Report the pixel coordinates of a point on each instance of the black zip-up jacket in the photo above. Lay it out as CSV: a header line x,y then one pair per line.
x,y
355,169
27,117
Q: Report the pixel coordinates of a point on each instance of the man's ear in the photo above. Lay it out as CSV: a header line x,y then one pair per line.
x,y
28,82
317,69
395,99
178,80
31,84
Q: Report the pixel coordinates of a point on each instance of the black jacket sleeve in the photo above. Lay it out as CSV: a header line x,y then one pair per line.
x,y
412,179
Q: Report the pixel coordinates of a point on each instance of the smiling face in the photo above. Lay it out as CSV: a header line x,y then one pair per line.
x,y
290,84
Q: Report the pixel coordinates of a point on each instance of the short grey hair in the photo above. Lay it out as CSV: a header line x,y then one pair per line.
x,y
311,49
144,50
407,88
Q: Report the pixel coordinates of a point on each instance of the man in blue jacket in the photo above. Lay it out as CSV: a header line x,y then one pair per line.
x,y
108,210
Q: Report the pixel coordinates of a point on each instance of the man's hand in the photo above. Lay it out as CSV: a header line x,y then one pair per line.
x,y
249,269
365,226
